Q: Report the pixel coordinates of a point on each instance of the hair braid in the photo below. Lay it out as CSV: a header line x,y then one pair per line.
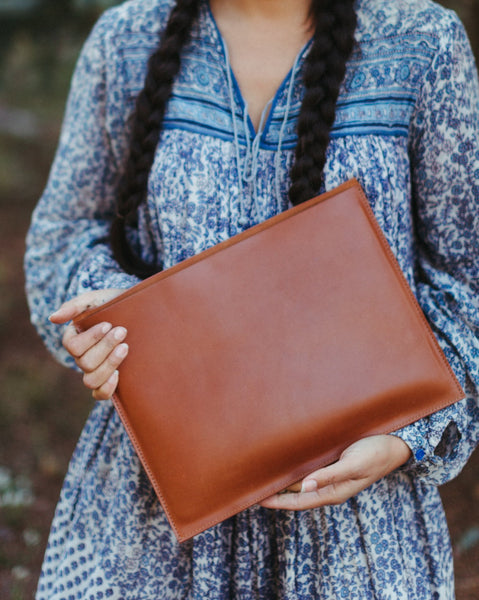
x,y
163,66
325,67
335,23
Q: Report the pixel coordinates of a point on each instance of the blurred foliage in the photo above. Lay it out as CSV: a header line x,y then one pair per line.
x,y
50,27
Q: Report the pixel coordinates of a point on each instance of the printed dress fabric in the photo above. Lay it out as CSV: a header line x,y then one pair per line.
x,y
407,126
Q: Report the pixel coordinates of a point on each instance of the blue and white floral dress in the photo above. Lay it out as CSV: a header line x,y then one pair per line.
x,y
407,127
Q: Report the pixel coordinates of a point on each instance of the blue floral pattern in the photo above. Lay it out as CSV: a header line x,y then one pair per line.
x,y
407,127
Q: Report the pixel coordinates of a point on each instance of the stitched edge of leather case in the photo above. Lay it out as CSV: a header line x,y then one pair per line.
x,y
184,533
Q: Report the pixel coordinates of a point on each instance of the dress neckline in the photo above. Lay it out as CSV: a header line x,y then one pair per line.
x,y
238,96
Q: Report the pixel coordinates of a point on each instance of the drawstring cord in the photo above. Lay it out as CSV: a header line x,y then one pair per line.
x,y
247,170
251,161
252,150
235,133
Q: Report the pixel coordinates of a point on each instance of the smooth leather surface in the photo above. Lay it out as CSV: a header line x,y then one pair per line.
x,y
263,358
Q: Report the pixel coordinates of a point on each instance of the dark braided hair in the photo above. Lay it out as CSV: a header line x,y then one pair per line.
x,y
335,24
325,68
163,67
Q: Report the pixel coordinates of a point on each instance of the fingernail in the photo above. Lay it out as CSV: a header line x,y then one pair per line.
x,y
310,485
120,333
105,328
122,350
114,376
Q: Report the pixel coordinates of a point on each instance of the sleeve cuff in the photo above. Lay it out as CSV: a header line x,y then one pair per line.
x,y
434,450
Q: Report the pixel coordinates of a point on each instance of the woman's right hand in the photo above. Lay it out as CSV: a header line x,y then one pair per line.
x,y
98,351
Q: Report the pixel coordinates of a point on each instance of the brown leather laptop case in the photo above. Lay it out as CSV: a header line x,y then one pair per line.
x,y
261,359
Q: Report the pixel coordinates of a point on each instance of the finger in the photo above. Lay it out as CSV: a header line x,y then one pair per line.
x,y
336,483
333,484
367,460
78,343
333,494
99,377
291,501
72,308
106,391
349,467
99,352
295,487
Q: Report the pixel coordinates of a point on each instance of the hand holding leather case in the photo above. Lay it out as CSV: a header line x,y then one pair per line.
x,y
261,359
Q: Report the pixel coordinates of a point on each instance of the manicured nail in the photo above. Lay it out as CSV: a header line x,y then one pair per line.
x,y
120,333
310,485
105,327
122,350
114,377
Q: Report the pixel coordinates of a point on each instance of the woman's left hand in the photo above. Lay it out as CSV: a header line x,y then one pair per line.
x,y
360,465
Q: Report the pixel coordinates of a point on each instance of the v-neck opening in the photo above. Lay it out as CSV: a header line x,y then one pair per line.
x,y
237,90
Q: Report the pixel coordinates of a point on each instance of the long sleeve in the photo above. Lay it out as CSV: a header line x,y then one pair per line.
x,y
67,244
445,175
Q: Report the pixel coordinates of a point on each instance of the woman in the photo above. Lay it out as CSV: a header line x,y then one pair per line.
x,y
248,106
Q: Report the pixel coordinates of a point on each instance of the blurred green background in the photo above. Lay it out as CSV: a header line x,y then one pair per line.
x,y
42,405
